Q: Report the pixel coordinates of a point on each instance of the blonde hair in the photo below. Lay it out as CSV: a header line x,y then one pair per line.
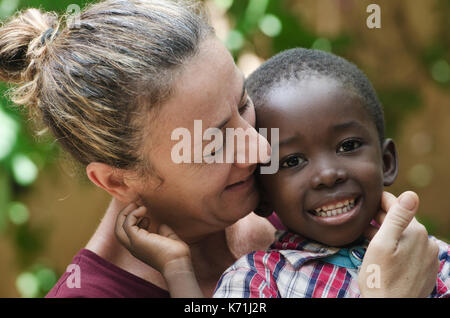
x,y
94,83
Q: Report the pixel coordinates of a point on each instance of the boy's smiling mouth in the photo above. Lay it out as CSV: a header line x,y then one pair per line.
x,y
335,208
337,211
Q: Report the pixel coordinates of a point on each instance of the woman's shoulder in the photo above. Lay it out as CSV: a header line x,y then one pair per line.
x,y
91,276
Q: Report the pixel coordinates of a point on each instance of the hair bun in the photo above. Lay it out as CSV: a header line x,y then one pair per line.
x,y
20,44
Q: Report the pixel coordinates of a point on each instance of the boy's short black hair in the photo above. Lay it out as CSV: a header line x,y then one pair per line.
x,y
299,63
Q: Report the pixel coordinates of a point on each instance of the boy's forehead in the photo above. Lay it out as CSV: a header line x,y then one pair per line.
x,y
313,100
307,89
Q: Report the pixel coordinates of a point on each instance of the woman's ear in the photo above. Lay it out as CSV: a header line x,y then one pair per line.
x,y
112,180
390,161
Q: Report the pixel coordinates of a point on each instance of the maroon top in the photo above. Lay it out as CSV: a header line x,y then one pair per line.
x,y
99,278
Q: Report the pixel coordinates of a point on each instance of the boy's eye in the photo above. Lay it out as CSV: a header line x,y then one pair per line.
x,y
292,161
349,145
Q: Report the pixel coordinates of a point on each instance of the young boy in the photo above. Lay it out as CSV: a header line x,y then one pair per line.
x,y
334,162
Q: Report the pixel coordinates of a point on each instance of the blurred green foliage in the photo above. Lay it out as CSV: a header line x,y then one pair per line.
x,y
283,30
22,156
265,27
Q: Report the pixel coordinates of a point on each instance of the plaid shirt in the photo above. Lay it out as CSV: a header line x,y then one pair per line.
x,y
295,267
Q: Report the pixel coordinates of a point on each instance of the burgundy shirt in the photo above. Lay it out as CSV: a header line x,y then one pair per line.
x,y
91,276
99,278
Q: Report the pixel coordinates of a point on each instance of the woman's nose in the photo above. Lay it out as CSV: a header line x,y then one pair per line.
x,y
328,177
251,150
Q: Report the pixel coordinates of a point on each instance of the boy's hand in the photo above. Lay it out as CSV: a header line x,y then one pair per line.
x,y
164,251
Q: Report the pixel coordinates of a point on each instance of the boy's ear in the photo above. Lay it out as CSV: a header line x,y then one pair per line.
x,y
390,161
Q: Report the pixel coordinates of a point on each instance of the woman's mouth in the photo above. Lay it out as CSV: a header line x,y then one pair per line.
x,y
336,212
241,185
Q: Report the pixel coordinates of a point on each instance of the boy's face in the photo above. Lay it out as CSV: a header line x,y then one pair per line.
x,y
332,166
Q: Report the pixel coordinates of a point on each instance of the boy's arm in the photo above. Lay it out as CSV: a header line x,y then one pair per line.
x,y
164,251
181,281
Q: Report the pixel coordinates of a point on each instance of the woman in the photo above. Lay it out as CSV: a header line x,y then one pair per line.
x,y
112,88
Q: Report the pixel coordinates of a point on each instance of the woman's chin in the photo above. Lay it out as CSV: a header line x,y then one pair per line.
x,y
241,209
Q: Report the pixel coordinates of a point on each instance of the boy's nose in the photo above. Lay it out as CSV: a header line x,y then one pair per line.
x,y
328,177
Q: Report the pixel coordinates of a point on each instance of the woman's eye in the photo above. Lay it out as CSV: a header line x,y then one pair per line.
x,y
213,153
244,108
349,145
292,161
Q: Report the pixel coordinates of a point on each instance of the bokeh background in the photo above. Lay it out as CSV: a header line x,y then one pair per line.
x,y
48,212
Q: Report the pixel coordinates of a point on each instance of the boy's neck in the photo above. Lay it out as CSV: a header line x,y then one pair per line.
x,y
214,254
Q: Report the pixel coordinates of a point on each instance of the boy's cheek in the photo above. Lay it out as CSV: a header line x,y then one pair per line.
x,y
266,182
369,171
373,183
274,190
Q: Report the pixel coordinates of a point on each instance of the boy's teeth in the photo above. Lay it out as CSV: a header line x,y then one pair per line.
x,y
335,209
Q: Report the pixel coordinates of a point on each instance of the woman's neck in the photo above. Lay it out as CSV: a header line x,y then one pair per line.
x,y
105,244
211,256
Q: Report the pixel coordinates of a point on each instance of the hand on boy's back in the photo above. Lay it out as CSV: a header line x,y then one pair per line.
x,y
400,251
159,250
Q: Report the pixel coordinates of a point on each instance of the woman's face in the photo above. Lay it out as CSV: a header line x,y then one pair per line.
x,y
196,199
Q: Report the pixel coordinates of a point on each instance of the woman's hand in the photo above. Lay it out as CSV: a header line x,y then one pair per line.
x,y
159,250
401,261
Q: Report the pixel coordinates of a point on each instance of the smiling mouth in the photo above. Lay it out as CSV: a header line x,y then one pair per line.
x,y
335,209
241,184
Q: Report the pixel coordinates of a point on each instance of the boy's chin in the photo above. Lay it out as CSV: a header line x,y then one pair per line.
x,y
342,240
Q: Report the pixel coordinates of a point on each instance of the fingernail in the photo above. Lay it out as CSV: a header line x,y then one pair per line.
x,y
407,202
